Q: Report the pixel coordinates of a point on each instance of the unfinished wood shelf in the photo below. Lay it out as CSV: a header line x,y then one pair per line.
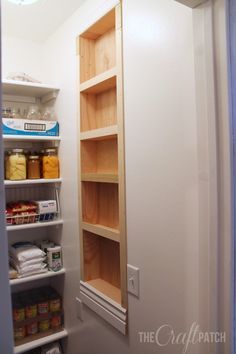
x,y
103,231
100,204
102,265
100,83
100,134
98,110
101,170
99,157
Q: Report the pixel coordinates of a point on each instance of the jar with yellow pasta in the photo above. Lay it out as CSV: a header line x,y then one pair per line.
x,y
50,164
17,165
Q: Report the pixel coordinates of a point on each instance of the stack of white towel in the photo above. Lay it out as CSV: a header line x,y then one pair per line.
x,y
27,259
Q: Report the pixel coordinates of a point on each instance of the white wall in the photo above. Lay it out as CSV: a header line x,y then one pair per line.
x,y
21,55
161,170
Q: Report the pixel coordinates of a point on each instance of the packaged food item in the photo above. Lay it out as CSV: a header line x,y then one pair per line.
x,y
12,273
31,310
46,209
54,258
43,304
22,212
49,114
44,325
55,302
55,321
50,164
19,333
17,165
32,328
33,167
18,311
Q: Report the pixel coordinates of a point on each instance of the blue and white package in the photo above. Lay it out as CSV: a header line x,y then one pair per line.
x,y
13,126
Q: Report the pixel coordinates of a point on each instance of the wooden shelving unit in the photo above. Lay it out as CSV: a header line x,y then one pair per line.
x,y
101,173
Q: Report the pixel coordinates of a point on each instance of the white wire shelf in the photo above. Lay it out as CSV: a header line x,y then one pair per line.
x,y
34,225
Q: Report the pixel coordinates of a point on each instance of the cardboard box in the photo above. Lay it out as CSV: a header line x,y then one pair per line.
x,y
46,206
13,126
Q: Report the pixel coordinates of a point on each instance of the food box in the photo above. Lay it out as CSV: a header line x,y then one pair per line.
x,y
12,126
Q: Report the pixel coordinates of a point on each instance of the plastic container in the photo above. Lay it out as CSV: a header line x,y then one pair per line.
x,y
17,165
50,164
54,258
33,167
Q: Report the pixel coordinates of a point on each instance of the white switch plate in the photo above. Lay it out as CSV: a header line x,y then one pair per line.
x,y
79,308
133,280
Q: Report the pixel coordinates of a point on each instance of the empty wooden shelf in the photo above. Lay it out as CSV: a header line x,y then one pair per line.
x,y
98,110
102,265
100,204
103,285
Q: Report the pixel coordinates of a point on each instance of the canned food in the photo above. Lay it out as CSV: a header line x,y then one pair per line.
x,y
19,333
44,325
55,322
32,328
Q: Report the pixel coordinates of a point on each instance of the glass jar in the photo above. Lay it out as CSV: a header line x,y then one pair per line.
x,y
7,167
34,113
33,170
50,164
49,114
17,165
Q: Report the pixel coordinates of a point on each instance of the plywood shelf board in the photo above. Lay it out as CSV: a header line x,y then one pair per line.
x,y
100,134
102,26
99,177
106,288
100,83
103,231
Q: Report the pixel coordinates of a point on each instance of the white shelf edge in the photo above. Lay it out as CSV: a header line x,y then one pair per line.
x,y
7,137
35,225
29,84
32,181
49,274
40,342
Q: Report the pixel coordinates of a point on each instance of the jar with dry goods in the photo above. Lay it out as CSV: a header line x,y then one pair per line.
x,y
17,165
33,167
50,164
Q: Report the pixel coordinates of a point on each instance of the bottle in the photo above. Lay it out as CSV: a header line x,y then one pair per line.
x,y
50,164
33,167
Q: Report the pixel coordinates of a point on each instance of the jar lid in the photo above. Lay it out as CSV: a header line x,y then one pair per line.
x,y
33,157
18,150
50,150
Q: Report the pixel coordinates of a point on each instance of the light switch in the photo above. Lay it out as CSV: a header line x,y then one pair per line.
x,y
79,308
133,280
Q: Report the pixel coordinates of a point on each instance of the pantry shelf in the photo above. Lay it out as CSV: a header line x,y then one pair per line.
x,y
49,274
99,177
29,89
100,134
100,83
32,181
107,232
40,342
30,138
35,225
107,289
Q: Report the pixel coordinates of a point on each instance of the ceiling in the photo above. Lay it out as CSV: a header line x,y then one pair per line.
x,y
37,21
